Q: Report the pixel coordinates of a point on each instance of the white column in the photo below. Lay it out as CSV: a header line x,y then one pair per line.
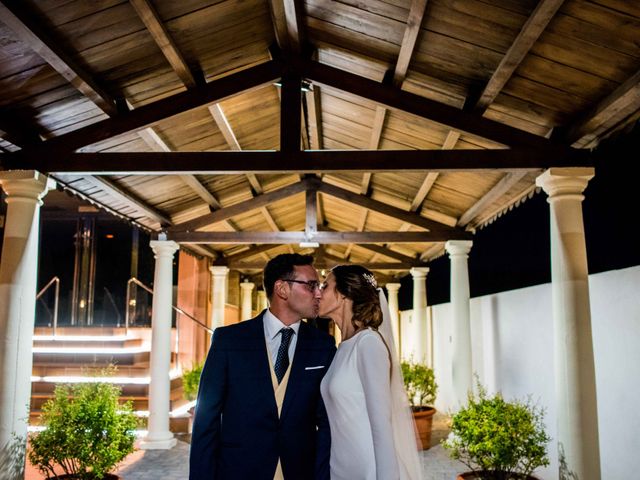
x,y
392,290
246,294
18,278
159,436
263,302
419,315
218,295
461,369
577,412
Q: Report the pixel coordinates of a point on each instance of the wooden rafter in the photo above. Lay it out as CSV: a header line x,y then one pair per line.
x,y
253,204
328,262
374,143
360,228
387,252
142,117
227,132
320,237
414,21
226,162
287,24
311,212
532,29
315,116
158,31
424,107
290,112
621,103
131,200
499,189
24,25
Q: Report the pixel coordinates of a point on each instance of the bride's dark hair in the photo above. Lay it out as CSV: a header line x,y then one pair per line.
x,y
358,284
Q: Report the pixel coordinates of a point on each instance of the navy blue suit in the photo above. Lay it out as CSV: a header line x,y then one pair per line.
x,y
237,434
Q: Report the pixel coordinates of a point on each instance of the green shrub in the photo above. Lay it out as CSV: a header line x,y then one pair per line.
x,y
498,440
191,381
420,384
87,431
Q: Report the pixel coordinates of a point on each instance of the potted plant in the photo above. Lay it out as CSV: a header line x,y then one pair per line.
x,y
87,432
497,439
191,381
421,387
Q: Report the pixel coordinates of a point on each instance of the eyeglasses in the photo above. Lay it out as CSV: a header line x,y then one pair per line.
x,y
312,285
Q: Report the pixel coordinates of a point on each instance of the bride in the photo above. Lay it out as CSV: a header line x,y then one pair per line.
x,y
372,432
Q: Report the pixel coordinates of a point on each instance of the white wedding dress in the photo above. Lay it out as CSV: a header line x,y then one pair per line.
x,y
357,397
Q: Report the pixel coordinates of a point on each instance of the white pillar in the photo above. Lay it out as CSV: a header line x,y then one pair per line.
x,y
218,295
263,302
577,412
461,369
159,436
392,290
18,278
246,294
419,315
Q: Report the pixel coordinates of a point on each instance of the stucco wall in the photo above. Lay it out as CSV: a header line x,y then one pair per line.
x,y
512,350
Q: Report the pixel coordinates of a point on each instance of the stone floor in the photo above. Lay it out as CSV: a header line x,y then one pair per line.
x,y
174,464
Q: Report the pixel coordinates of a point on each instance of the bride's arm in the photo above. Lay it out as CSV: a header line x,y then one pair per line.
x,y
373,369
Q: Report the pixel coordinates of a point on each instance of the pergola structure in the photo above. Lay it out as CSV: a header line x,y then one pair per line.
x,y
377,130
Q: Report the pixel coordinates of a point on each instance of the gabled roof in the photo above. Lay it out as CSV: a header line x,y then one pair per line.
x,y
387,127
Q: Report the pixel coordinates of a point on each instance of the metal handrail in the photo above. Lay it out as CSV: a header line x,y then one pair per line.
x,y
55,280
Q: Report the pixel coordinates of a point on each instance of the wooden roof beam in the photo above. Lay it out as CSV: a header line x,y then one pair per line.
x,y
242,207
131,200
616,107
361,224
320,237
423,107
414,22
314,109
227,132
286,16
385,209
227,162
328,263
499,189
532,29
22,22
380,250
167,46
142,117
290,112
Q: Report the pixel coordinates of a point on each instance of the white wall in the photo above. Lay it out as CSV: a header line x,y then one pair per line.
x,y
512,347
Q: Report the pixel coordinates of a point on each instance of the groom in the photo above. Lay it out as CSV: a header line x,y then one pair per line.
x,y
259,413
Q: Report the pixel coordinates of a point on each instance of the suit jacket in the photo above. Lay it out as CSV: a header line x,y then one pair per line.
x,y
237,433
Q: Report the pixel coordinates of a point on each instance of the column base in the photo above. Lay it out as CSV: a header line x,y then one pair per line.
x,y
163,441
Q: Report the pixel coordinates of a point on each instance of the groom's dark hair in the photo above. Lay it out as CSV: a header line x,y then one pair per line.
x,y
282,268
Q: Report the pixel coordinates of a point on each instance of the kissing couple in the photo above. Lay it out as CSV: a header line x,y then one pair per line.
x,y
277,401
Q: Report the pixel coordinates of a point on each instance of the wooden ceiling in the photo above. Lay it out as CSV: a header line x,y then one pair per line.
x,y
379,129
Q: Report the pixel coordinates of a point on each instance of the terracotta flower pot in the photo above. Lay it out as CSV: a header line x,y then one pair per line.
x,y
424,420
474,476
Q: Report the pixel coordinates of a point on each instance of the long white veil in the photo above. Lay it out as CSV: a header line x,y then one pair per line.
x,y
404,437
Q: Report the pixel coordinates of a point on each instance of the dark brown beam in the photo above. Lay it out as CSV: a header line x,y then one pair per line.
x,y
415,104
254,250
167,46
314,107
532,29
388,253
146,115
226,162
311,217
320,237
290,113
414,21
385,209
242,207
326,263
23,23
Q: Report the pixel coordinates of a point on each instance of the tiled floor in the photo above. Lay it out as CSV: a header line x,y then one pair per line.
x,y
174,464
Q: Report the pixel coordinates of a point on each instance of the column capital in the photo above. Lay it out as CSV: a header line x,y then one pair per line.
x,y
458,247
219,271
164,247
26,185
247,285
392,287
419,272
565,181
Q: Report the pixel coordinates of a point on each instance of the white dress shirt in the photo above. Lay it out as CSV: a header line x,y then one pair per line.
x,y
272,327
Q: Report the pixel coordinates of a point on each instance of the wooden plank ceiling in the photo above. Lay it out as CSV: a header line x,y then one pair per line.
x,y
379,129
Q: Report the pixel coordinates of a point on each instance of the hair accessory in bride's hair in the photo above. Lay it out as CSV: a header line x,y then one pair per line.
x,y
371,280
